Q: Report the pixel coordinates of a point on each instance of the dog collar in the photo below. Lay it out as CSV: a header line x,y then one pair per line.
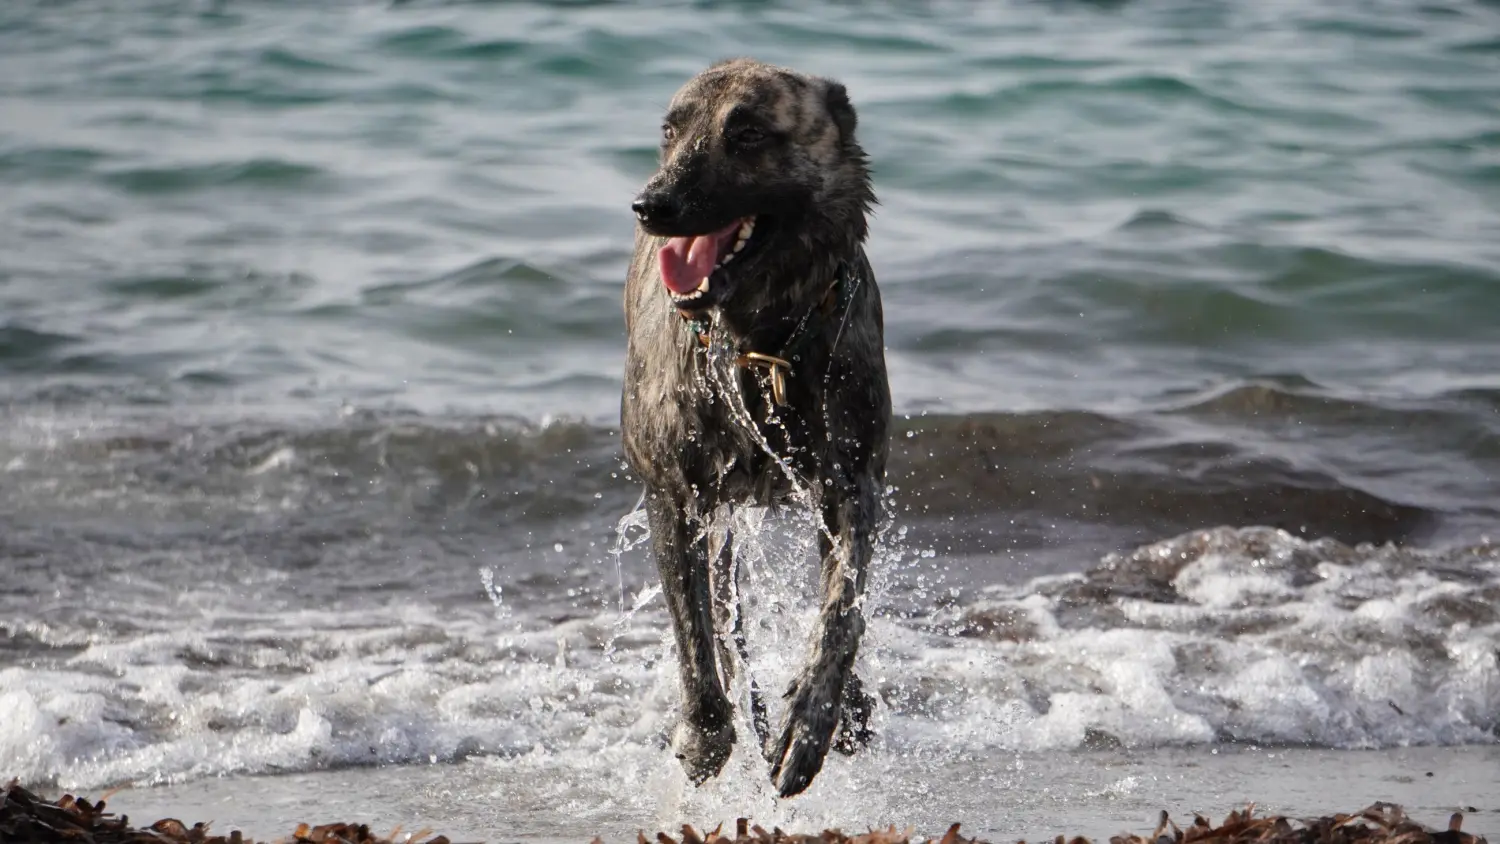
x,y
778,367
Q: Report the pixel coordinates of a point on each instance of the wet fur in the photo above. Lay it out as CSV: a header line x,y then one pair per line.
x,y
696,427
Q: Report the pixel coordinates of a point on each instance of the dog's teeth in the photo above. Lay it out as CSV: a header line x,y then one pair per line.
x,y
746,228
702,287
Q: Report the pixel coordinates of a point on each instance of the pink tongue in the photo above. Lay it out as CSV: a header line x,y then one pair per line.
x,y
686,261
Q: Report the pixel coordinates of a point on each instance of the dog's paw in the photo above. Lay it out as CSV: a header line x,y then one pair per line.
x,y
806,735
703,752
854,731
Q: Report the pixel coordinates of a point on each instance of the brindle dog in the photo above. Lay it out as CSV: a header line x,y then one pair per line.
x,y
756,370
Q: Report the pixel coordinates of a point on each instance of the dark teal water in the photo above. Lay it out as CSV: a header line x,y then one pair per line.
x,y
317,305
1083,205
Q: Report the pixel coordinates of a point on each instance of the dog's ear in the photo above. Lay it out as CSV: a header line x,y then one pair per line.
x,y
840,109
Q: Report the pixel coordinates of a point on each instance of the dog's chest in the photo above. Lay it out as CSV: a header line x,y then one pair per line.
x,y
751,444
695,417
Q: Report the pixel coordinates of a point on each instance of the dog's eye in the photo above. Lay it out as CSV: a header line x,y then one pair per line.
x,y
667,133
749,136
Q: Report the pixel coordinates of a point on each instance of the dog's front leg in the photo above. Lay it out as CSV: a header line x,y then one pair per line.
x,y
817,696
729,621
704,737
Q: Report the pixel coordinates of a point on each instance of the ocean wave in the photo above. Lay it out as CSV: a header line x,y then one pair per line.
x,y
23,348
1252,635
264,173
977,483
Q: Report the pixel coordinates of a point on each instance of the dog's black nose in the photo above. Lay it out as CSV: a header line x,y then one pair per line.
x,y
656,207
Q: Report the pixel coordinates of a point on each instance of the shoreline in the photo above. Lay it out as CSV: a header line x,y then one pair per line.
x,y
1096,795
27,817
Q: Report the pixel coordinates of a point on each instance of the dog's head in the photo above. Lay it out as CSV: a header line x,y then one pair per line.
x,y
761,180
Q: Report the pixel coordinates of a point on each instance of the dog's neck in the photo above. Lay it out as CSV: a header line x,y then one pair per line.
x,y
782,334
788,341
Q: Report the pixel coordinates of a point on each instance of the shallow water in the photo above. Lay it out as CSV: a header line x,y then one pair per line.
x,y
310,346
1030,796
1227,636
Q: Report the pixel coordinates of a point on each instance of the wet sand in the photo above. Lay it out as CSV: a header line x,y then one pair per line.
x,y
1096,794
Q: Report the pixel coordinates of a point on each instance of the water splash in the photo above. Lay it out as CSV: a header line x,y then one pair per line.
x,y
635,520
622,624
721,374
493,590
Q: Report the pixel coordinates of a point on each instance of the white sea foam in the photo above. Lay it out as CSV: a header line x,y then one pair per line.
x,y
1251,636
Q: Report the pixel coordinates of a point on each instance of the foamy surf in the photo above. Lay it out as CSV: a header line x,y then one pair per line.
x,y
1246,636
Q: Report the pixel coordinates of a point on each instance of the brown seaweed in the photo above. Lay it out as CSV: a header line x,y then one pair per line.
x,y
26,818
1379,823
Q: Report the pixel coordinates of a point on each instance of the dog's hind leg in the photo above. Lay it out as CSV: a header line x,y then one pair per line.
x,y
729,621
704,736
817,697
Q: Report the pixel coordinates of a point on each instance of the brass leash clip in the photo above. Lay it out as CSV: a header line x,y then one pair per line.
x,y
777,368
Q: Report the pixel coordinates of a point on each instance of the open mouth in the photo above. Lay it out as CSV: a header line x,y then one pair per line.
x,y
689,264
